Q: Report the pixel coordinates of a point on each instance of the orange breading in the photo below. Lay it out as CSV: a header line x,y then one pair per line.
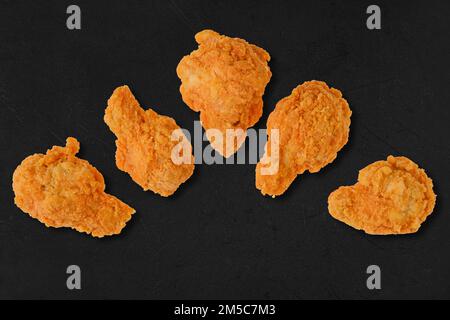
x,y
313,125
144,144
61,190
390,197
224,80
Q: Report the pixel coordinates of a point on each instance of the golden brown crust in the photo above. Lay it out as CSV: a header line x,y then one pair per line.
x,y
144,144
61,190
224,80
313,124
391,197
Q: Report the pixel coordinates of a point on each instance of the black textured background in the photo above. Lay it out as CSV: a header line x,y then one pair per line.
x,y
218,237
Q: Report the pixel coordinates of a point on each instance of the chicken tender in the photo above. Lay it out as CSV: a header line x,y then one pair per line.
x,y
312,125
61,190
390,197
224,80
145,144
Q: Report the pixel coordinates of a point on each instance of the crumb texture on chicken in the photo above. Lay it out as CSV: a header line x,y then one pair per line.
x,y
224,80
391,197
313,124
61,190
145,145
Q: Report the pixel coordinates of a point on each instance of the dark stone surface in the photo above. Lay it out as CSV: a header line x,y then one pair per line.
x,y
218,237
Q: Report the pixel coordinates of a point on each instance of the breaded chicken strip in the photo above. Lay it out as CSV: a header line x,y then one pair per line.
x,y
145,145
390,197
61,190
312,125
224,80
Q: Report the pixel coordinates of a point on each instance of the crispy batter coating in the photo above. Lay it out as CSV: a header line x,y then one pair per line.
x,y
61,190
313,125
144,144
224,80
390,197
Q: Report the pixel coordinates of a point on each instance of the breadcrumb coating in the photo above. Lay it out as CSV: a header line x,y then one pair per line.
x,y
224,80
313,125
144,144
391,197
61,190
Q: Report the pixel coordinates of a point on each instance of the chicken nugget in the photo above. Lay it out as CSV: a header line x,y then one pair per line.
x,y
224,80
61,190
312,125
146,142
391,197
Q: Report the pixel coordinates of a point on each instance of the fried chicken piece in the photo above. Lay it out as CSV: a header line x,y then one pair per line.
x,y
312,125
224,80
145,144
390,197
61,190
